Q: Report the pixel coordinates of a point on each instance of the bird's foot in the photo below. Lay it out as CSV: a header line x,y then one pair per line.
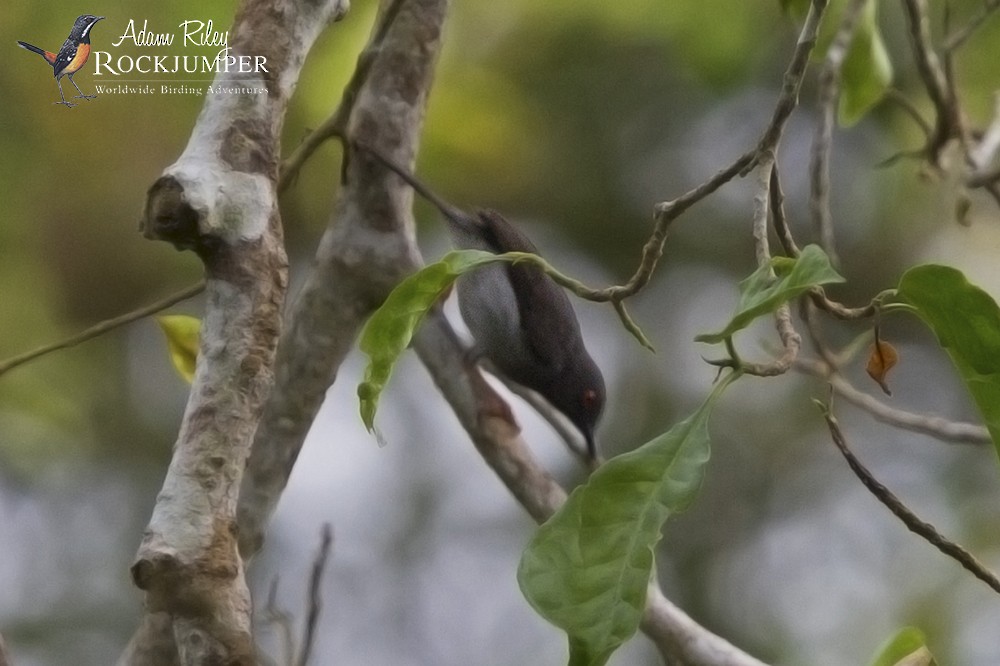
x,y
65,103
85,96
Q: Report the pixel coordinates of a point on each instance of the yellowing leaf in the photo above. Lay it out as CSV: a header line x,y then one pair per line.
x,y
182,342
882,358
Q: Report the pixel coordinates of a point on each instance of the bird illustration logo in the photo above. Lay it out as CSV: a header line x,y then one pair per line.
x,y
71,56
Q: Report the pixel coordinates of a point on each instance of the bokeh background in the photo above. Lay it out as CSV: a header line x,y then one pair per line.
x,y
575,118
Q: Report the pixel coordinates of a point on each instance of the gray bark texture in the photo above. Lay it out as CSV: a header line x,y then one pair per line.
x,y
220,200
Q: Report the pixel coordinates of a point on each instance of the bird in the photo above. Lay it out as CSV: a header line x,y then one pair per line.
x,y
520,319
71,56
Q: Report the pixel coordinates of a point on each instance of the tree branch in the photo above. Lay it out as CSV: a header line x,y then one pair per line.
x,y
367,249
315,595
958,38
829,89
911,520
932,74
932,426
220,200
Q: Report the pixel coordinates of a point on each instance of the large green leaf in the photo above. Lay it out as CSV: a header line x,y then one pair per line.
x,y
908,647
966,321
761,294
588,568
866,73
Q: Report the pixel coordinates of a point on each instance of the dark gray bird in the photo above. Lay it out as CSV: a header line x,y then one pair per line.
x,y
522,321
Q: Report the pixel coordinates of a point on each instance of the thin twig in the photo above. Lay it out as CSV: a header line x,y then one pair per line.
x,y
315,595
901,511
665,213
841,311
761,209
933,75
958,38
335,126
909,108
791,341
829,90
282,619
778,218
668,211
955,432
788,99
103,327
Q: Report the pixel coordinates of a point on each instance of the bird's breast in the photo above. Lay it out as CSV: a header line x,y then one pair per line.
x,y
489,307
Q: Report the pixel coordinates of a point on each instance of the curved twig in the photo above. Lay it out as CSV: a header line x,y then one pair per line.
x,y
913,522
829,88
932,426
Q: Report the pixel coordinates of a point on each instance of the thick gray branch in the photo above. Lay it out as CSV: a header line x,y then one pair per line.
x,y
367,249
219,199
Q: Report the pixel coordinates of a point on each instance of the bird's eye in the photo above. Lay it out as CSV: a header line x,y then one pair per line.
x,y
589,399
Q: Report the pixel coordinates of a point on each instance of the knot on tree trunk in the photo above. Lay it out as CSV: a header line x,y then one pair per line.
x,y
169,217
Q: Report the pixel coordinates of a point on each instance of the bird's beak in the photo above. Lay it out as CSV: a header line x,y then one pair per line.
x,y
588,435
99,18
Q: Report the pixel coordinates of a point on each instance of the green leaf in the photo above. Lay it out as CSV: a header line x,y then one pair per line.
x,y
966,321
866,73
908,647
761,294
588,567
182,342
390,329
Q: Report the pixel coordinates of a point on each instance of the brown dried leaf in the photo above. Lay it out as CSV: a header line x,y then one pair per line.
x,y
881,360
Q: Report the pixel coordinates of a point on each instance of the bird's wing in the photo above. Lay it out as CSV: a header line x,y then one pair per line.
x,y
548,324
65,56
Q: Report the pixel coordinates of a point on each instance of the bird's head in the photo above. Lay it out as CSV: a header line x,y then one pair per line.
x,y
581,396
81,29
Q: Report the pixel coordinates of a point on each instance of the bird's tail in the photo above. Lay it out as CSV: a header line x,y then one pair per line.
x,y
48,55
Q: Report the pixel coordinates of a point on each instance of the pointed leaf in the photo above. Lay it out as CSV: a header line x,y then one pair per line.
x,y
867,71
182,342
907,648
761,294
390,329
966,321
588,567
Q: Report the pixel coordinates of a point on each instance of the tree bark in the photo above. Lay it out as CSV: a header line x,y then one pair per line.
x,y
220,200
369,246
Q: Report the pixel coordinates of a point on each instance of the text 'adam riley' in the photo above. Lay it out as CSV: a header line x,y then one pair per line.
x,y
195,33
